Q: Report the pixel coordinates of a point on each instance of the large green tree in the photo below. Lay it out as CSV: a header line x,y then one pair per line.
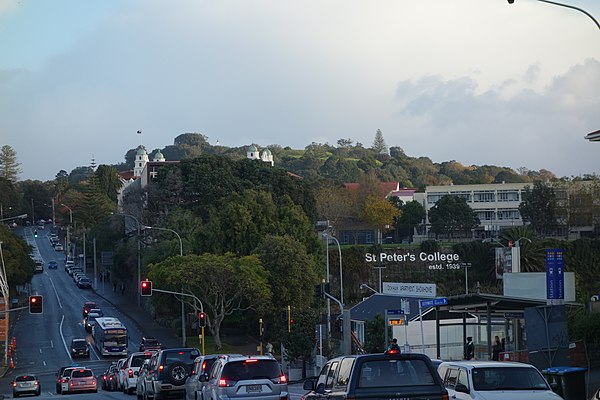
x,y
109,181
379,146
18,264
538,207
224,283
451,215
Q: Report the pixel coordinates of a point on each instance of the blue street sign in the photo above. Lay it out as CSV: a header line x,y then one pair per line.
x,y
440,301
395,312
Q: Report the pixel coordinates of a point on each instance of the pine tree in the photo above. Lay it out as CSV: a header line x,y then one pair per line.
x,y
379,145
10,168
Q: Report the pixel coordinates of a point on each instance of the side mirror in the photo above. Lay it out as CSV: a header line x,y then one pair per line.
x,y
309,385
461,388
320,388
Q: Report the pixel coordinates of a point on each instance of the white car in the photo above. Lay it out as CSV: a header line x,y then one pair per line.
x,y
489,380
120,365
130,371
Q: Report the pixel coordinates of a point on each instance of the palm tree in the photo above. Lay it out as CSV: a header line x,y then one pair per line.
x,y
532,252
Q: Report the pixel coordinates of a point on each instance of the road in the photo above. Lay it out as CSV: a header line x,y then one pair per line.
x,y
44,339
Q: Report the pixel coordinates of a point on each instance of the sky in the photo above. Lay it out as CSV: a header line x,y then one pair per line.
x,y
477,81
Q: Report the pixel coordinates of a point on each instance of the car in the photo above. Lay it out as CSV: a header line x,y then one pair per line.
x,y
26,384
58,247
69,264
120,365
77,276
130,370
90,320
80,348
84,283
167,372
87,306
97,311
39,266
202,365
476,380
109,378
150,343
62,377
255,377
81,380
139,386
388,375
52,264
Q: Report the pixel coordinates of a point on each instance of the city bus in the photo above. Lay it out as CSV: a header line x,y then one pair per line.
x,y
110,336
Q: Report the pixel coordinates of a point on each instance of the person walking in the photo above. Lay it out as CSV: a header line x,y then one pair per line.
x,y
469,349
496,349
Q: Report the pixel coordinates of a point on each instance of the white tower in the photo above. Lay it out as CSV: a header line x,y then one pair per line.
x,y
141,158
267,156
252,152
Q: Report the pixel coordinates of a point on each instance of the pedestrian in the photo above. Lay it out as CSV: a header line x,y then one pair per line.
x,y
469,348
122,287
496,349
115,286
269,348
394,345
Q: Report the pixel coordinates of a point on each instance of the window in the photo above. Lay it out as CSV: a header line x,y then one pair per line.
x,y
249,369
484,196
508,195
451,378
323,374
331,375
394,373
463,378
345,369
486,215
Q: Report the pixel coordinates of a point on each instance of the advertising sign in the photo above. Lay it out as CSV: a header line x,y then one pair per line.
x,y
423,290
560,274
551,275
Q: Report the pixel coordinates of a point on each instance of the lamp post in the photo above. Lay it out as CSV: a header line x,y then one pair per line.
x,y
68,246
328,236
365,286
183,334
70,212
566,6
139,261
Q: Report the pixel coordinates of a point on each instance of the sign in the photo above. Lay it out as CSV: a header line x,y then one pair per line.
x,y
410,289
440,301
394,312
397,321
555,275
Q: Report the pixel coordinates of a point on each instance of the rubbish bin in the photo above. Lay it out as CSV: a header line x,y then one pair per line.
x,y
570,381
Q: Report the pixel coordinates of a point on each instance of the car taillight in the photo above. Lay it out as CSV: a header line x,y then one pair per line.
x,y
36,383
282,379
445,397
222,382
130,373
392,351
14,384
160,368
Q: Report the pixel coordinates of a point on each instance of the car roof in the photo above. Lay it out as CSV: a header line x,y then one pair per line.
x,y
485,364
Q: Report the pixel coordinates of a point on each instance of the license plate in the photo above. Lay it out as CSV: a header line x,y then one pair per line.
x,y
82,382
254,388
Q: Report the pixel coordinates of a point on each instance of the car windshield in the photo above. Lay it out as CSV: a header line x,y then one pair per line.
x,y
79,344
24,378
137,361
391,373
508,378
251,369
151,342
82,373
184,356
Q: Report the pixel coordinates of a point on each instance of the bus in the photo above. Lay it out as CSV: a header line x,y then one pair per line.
x,y
110,336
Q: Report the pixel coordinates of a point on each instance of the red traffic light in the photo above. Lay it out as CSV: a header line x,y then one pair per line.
x,y
202,319
36,304
146,288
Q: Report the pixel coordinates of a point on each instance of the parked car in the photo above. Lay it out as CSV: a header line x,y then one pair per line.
x,y
84,283
79,348
256,377
26,384
109,378
474,380
167,373
141,381
384,376
202,365
58,247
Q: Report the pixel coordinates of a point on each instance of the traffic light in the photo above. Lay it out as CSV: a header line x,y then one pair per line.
x,y
146,287
202,319
36,304
35,233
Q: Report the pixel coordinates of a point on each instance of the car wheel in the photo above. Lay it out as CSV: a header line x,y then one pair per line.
x,y
178,373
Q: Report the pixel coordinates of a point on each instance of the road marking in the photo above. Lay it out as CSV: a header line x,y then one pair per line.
x,y
63,337
44,363
40,351
56,293
51,343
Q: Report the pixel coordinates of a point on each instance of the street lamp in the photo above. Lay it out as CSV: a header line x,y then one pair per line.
x,y
170,230
328,236
70,212
566,6
139,261
365,286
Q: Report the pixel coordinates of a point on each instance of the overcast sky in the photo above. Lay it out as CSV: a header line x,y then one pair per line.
x,y
476,81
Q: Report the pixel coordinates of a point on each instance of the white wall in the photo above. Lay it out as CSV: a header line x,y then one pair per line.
x,y
532,285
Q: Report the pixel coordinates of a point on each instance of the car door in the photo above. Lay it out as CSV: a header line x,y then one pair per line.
x,y
457,376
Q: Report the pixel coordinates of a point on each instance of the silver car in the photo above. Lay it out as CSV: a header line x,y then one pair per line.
x,y
202,365
26,384
252,377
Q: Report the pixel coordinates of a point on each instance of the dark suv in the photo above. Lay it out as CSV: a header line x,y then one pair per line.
x,y
150,343
167,373
382,376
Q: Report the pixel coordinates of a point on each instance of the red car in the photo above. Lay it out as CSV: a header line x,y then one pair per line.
x,y
87,306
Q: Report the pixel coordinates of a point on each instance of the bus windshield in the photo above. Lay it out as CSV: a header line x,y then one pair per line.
x,y
115,339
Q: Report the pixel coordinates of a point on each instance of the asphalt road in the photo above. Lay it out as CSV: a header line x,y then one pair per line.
x,y
43,340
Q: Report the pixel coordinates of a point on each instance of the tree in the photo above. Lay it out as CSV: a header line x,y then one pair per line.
x,y
10,168
379,145
224,283
538,207
412,214
452,214
109,181
18,264
379,212
532,251
375,335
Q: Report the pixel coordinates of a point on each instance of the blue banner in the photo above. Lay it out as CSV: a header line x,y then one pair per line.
x,y
560,274
551,275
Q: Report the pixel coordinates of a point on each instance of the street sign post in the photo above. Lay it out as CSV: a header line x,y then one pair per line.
x,y
440,301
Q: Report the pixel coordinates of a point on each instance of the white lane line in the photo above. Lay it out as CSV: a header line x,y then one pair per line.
x,y
40,351
94,351
51,343
44,363
63,338
56,293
